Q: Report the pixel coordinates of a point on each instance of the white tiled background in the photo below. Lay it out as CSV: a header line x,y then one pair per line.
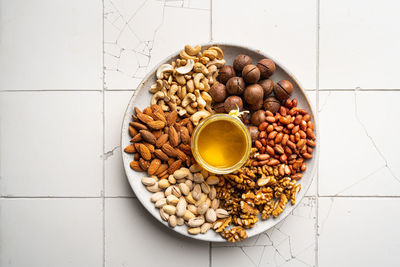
x,y
67,70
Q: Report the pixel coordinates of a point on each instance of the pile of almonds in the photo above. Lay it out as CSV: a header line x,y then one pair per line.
x,y
160,141
187,196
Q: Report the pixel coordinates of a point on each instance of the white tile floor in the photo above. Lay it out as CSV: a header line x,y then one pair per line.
x,y
67,71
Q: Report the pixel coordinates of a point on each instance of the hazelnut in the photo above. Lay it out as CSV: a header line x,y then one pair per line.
x,y
268,86
240,62
266,67
256,106
225,73
283,89
235,86
219,107
258,117
251,74
272,104
218,92
253,94
233,102
253,131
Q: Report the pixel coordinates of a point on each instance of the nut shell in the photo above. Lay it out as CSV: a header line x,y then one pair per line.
x,y
258,117
256,106
268,86
253,94
266,67
219,107
272,104
225,73
283,89
240,62
235,86
218,92
251,74
233,102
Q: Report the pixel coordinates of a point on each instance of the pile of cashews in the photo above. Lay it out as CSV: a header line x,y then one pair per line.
x,y
183,85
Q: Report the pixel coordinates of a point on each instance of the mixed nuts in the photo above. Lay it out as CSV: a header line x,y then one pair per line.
x,y
193,87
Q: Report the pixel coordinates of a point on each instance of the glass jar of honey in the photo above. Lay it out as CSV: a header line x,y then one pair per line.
x,y
221,143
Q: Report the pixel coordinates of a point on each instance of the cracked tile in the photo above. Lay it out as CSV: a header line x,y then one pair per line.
x,y
280,36
351,42
352,236
50,45
51,143
132,49
133,236
289,243
116,183
356,156
51,232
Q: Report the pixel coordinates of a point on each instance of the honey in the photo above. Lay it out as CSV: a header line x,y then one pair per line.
x,y
221,143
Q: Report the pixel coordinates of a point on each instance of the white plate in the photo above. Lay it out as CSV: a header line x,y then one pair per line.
x,y
141,99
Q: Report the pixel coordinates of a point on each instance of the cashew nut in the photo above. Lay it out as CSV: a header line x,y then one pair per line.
x,y
199,115
189,98
220,54
194,104
211,54
172,91
212,74
172,105
180,62
219,63
157,96
196,79
181,111
190,110
169,79
198,67
187,68
182,91
204,60
206,96
206,85
190,86
192,51
180,79
163,68
164,107
184,55
201,102
156,87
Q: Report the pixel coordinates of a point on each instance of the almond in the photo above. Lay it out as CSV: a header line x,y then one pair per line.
x,y
169,150
157,133
149,146
137,110
162,140
144,152
174,166
148,111
130,149
181,155
132,131
145,118
154,165
171,119
138,126
185,137
148,136
144,164
156,125
190,127
185,148
135,166
173,136
136,138
161,169
161,155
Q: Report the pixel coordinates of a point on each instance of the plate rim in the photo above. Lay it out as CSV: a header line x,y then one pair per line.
x,y
313,171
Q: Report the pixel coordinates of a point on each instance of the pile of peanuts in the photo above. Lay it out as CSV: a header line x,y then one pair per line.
x,y
286,137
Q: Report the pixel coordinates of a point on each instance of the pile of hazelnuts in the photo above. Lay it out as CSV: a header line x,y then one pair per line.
x,y
247,86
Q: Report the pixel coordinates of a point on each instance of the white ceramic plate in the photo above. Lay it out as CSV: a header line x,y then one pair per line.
x,y
141,99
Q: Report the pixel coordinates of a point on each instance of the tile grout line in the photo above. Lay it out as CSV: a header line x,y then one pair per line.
x,y
317,114
104,133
